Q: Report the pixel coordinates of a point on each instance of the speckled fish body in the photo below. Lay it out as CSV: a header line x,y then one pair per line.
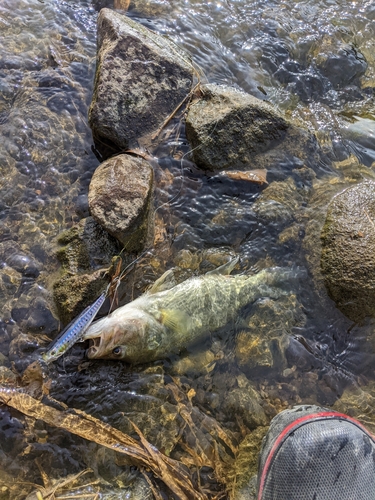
x,y
74,331
160,323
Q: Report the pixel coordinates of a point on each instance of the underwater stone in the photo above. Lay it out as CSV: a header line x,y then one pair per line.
x,y
342,65
359,403
73,293
22,346
86,246
245,402
20,260
261,346
119,199
141,77
348,251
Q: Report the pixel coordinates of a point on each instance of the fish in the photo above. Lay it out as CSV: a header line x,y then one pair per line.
x,y
170,317
74,331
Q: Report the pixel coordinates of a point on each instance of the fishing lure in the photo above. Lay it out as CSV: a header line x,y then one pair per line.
x,y
74,331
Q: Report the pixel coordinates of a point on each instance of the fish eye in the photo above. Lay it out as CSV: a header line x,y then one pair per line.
x,y
116,351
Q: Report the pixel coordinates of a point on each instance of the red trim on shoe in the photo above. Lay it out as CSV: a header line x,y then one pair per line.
x,y
300,421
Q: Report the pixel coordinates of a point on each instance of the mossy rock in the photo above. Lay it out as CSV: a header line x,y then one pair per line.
x,y
72,293
86,246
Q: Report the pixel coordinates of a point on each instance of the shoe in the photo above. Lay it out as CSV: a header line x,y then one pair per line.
x,y
312,453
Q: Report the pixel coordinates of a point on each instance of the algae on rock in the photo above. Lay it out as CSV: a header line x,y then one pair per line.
x,y
72,293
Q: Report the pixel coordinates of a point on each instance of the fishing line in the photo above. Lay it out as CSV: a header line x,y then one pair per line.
x,y
168,202
118,278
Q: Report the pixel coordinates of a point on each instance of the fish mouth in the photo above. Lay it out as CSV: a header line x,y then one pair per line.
x,y
94,348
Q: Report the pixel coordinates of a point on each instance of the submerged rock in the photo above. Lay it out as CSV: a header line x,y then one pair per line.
x,y
73,293
359,403
342,65
141,77
262,344
279,202
228,128
244,402
86,246
348,250
119,199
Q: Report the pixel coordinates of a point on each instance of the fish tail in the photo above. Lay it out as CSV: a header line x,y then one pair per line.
x,y
279,276
226,268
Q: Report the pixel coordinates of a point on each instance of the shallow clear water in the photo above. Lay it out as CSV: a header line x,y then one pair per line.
x,y
313,60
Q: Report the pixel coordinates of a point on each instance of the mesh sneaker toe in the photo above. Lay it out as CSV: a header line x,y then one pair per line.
x,y
311,453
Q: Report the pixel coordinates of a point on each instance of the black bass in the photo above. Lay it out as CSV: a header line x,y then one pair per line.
x,y
170,317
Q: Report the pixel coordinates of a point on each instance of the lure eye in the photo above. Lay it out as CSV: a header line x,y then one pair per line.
x,y
116,351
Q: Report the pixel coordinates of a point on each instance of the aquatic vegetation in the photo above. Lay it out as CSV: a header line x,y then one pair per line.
x,y
82,424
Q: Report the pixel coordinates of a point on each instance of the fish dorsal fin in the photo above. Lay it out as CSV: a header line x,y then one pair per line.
x,y
175,320
165,282
225,269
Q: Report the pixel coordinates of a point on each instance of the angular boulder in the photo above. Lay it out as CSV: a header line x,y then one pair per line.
x,y
348,250
119,199
228,128
140,79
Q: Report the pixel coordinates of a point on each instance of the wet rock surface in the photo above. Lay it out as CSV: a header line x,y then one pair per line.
x,y
348,240
244,402
141,77
342,65
86,246
261,345
72,293
119,199
228,128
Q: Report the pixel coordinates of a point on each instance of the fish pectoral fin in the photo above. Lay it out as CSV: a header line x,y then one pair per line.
x,y
175,320
226,268
165,282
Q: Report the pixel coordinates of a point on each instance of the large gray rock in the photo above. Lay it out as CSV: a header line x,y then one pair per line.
x,y
119,199
140,78
348,250
227,128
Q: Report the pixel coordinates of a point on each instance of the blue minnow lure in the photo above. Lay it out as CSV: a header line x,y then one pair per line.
x,y
74,331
